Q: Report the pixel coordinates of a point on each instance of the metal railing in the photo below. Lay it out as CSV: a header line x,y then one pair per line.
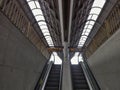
x,y
92,83
44,76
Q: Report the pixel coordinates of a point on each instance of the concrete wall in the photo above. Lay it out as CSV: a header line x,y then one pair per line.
x,y
105,63
20,62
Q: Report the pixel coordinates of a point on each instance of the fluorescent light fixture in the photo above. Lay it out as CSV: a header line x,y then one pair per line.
x,y
93,15
38,14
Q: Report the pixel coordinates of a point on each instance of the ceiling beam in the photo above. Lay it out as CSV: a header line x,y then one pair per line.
x,y
70,21
61,20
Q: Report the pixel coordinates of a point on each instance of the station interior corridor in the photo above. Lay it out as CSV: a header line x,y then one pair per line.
x,y
59,44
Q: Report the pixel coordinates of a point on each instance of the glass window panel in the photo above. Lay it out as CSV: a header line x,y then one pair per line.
x,y
86,26
38,18
83,38
95,10
90,26
84,30
87,22
46,34
31,5
37,4
92,22
88,30
86,33
48,38
89,17
41,23
37,11
45,30
99,3
44,27
94,17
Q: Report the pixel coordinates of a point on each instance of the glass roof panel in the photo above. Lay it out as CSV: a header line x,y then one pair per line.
x,y
39,17
46,33
95,10
89,17
86,26
93,15
44,27
36,12
37,4
92,22
90,26
41,23
32,5
99,3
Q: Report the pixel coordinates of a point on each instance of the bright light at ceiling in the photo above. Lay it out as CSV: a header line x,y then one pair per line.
x,y
76,58
55,58
93,15
38,14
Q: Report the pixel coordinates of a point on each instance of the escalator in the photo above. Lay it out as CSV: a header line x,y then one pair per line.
x,y
78,78
53,80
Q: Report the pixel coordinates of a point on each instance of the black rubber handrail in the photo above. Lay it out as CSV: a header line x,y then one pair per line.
x,y
41,80
41,77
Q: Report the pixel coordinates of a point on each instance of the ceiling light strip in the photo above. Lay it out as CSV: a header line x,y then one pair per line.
x,y
38,14
93,15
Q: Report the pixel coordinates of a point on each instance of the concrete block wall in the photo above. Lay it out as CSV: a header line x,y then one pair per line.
x,y
105,63
20,62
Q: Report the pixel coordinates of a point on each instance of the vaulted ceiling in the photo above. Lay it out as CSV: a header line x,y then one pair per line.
x,y
74,19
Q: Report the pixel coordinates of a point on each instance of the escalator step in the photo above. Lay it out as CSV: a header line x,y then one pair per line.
x,y
81,86
81,89
53,78
51,88
78,78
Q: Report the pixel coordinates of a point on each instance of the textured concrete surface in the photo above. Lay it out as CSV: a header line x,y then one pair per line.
x,y
66,79
105,63
20,62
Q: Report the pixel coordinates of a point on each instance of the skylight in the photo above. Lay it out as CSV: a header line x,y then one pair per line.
x,y
93,15
38,14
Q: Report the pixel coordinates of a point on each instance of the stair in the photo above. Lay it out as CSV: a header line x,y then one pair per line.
x,y
78,78
53,78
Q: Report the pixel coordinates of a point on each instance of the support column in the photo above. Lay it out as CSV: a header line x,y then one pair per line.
x,y
66,80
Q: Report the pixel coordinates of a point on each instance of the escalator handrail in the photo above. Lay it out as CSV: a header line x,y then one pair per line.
x,y
46,75
87,76
92,85
38,85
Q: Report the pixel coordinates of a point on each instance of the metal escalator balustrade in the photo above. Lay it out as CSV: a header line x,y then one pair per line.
x,y
53,80
78,78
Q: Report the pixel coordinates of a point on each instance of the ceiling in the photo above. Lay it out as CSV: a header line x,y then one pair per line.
x,y
74,20
80,11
